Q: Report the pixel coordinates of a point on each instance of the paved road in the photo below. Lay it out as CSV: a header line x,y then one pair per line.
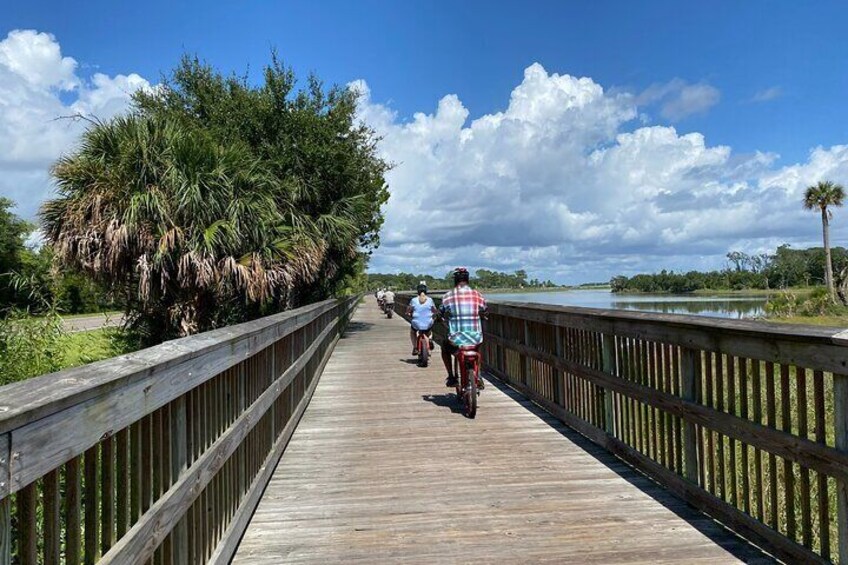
x,y
93,322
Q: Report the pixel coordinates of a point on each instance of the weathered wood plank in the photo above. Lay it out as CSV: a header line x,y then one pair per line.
x,y
230,541
810,453
163,515
40,397
384,478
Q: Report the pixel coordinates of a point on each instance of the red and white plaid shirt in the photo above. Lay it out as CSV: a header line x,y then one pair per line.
x,y
462,307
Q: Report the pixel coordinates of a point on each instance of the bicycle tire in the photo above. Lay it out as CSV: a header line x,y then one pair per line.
x,y
423,353
470,399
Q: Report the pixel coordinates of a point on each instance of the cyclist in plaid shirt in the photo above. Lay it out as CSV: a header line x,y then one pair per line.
x,y
462,307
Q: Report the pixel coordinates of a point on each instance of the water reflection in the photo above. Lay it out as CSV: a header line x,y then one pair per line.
x,y
716,306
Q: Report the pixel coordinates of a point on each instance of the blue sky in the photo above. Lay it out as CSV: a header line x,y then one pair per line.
x,y
768,77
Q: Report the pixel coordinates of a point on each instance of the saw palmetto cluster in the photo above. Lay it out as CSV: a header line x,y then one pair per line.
x,y
200,223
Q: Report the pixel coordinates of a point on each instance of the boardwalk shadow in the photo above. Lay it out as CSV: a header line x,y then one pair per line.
x,y
357,327
444,401
737,546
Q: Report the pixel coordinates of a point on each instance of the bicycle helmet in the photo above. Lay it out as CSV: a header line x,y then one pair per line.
x,y
460,274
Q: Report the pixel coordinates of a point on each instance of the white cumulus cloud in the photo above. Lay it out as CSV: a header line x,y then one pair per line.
x,y
39,89
567,183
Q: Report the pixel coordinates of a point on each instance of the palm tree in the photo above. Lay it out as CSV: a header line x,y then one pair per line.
x,y
195,235
822,195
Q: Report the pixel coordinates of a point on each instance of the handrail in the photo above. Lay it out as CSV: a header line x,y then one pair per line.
x,y
162,453
747,421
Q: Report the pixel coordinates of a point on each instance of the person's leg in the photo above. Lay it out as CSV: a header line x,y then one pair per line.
x,y
448,350
413,337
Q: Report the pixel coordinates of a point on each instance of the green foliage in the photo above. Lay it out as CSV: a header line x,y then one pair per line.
x,y
13,234
216,202
29,345
483,279
785,268
817,304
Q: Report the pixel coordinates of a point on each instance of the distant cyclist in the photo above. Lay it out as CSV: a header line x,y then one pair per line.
x,y
380,294
422,312
388,299
462,308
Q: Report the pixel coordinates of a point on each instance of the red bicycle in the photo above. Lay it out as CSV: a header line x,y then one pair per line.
x,y
466,364
423,347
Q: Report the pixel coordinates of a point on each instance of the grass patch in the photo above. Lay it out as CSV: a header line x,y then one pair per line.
x,y
840,322
80,348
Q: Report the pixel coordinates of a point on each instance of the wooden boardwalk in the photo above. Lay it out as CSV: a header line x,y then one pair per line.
x,y
384,468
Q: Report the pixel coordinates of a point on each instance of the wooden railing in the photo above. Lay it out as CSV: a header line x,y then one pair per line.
x,y
747,421
160,455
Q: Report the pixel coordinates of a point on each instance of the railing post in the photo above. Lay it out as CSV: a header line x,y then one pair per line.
x,y
179,464
560,384
5,502
689,365
608,361
525,365
840,414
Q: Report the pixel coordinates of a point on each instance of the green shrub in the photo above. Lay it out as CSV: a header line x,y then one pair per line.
x,y
30,345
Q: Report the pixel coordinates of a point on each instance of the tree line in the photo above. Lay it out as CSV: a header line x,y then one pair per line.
x,y
785,268
482,278
29,278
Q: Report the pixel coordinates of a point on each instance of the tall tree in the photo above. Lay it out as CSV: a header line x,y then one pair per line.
x,y
216,201
820,196
13,234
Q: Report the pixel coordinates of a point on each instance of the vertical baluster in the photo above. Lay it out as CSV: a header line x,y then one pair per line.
x,y
732,405
708,465
690,374
122,482
52,523
678,423
5,502
73,546
757,397
806,519
107,494
821,478
743,413
608,365
92,505
840,416
788,472
771,421
27,503
6,539
669,423
719,405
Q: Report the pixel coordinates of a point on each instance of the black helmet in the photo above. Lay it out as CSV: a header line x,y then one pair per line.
x,y
422,287
460,274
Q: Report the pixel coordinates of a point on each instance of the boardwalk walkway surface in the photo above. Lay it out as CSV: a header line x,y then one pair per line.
x,y
384,468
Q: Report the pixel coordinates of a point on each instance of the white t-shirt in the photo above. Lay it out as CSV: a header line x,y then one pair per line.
x,y
389,297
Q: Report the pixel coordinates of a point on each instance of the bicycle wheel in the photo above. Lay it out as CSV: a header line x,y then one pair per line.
x,y
470,399
423,352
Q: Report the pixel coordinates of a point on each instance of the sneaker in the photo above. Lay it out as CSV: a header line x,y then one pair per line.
x,y
451,381
415,353
432,345
481,384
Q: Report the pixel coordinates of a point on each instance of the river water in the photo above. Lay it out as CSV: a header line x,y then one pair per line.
x,y
736,306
